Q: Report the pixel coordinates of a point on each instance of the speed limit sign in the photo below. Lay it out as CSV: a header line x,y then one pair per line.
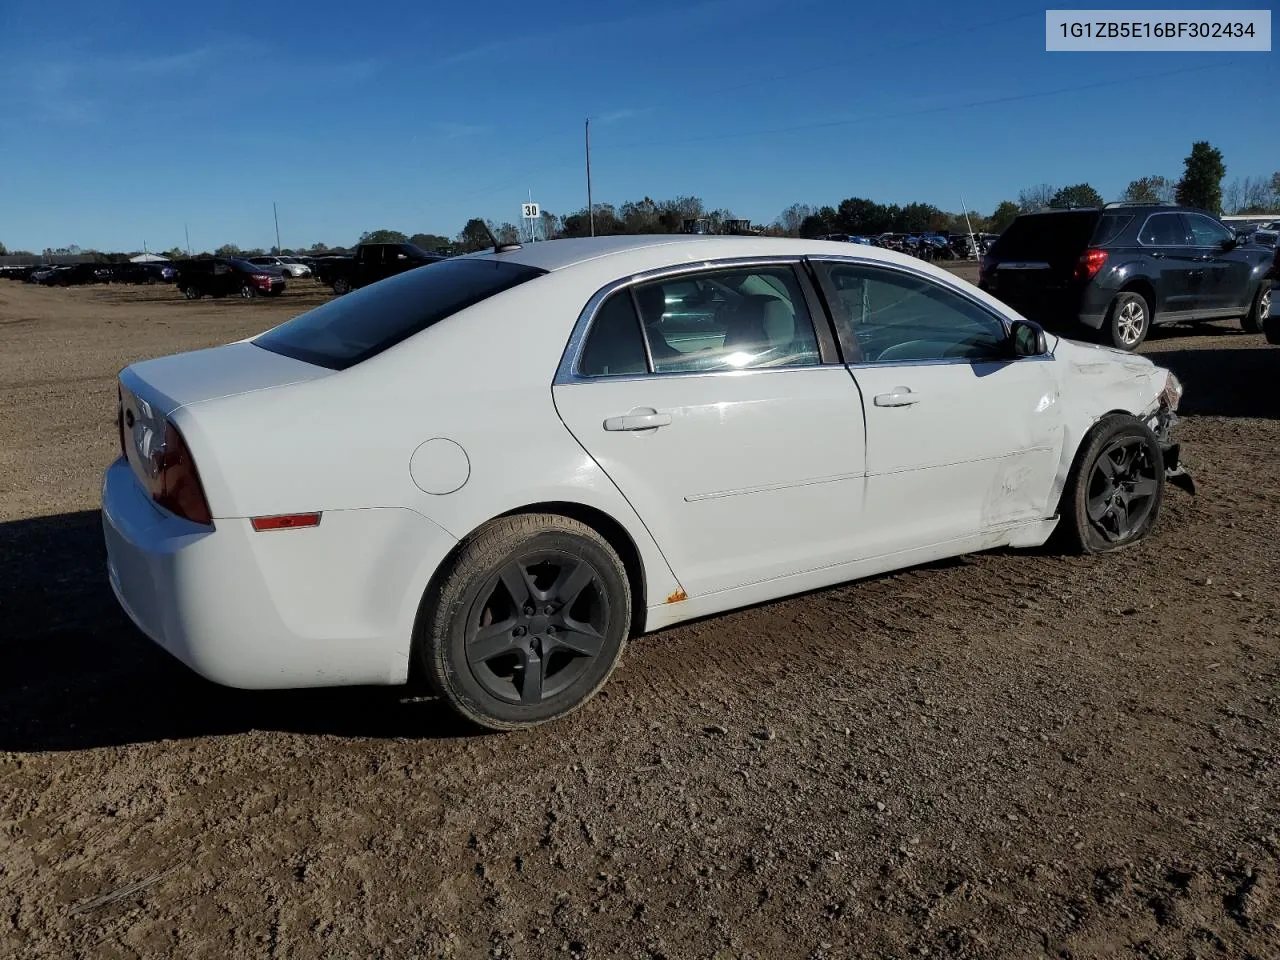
x,y
529,211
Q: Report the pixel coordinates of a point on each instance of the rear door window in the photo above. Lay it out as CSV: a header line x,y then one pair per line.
x,y
1163,230
352,328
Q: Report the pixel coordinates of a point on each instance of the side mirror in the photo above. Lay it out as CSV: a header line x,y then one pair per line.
x,y
1028,339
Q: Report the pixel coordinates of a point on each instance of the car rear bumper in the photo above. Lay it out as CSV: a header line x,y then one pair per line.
x,y
332,605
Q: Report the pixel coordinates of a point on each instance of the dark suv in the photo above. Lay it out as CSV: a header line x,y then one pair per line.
x,y
1119,269
219,276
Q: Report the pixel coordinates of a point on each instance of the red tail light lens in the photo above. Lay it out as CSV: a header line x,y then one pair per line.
x,y
1090,263
288,521
262,277
175,482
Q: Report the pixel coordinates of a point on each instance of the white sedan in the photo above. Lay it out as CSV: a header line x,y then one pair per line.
x,y
490,472
286,265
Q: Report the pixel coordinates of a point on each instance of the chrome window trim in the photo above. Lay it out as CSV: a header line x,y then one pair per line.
x,y
1004,320
1157,246
567,371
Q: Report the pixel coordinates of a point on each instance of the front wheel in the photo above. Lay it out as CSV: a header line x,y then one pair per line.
x,y
191,292
1128,321
1253,321
1113,495
527,624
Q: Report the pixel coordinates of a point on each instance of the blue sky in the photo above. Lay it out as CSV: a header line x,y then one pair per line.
x,y
120,122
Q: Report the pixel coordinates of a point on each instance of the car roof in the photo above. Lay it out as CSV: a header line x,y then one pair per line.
x,y
554,255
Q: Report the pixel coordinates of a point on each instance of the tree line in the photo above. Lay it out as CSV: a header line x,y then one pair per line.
x,y
1201,185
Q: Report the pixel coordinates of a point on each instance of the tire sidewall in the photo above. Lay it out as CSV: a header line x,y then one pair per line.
x,y
1255,318
341,287
1110,429
1113,318
444,647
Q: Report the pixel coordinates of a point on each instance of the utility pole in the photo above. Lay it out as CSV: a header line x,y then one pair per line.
x,y
277,216
591,210
187,233
973,241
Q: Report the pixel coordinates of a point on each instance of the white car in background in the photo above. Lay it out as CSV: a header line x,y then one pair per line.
x,y
492,471
285,265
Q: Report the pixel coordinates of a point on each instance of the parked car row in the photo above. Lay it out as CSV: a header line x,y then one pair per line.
x,y
1116,271
926,246
77,274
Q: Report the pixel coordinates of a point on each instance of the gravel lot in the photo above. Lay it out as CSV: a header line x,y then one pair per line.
x,y
1011,755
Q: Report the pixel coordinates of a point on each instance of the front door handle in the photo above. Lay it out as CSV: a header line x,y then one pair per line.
x,y
641,418
898,397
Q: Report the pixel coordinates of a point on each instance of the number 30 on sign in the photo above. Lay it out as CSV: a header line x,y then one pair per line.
x,y
529,211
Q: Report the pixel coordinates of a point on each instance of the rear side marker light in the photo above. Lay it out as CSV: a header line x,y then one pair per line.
x,y
286,521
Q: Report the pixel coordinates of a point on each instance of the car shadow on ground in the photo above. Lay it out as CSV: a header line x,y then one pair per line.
x,y
77,673
1225,382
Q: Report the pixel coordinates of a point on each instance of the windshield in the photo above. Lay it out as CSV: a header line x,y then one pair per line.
x,y
352,328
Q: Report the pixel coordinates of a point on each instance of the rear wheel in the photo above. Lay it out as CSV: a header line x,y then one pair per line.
x,y
1113,495
341,285
528,623
248,291
191,292
1252,321
1128,321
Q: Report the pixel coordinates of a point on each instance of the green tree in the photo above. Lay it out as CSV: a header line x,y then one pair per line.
x,y
551,226
1077,195
227,250
1201,183
474,236
3,250
1003,216
430,241
382,236
822,221
1154,189
319,249
859,215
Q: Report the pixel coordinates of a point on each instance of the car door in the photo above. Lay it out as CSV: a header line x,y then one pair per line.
x,y
726,420
1180,274
963,438
1226,288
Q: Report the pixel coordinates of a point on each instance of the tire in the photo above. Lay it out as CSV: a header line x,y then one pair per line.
x,y
1100,513
574,640
1128,321
1252,321
247,291
341,285
191,293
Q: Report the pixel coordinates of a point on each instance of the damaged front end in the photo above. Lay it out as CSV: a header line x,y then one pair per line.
x,y
1162,421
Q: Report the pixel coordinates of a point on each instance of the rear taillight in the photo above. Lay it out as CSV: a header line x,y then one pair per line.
x,y
1090,263
174,482
262,277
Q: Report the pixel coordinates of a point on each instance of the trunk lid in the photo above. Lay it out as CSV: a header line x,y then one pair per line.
x,y
183,379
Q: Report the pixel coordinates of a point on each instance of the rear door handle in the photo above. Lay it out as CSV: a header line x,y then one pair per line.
x,y
641,418
898,397
1156,255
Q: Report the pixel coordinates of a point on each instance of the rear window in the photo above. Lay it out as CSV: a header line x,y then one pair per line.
x,y
1110,226
353,328
1051,237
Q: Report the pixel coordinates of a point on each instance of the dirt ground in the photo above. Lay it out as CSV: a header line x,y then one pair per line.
x,y
1011,755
